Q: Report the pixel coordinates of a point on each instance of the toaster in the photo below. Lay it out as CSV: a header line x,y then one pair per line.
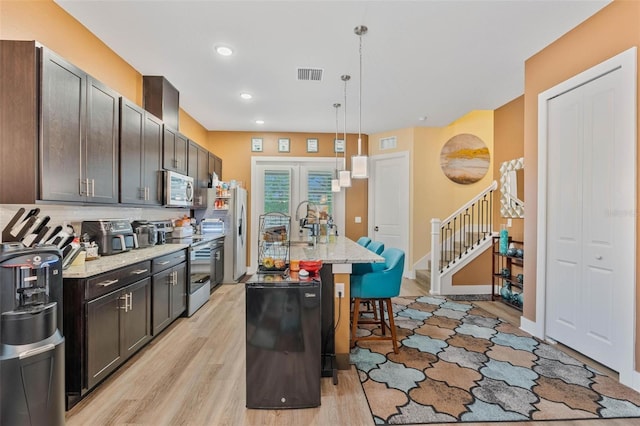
x,y
146,232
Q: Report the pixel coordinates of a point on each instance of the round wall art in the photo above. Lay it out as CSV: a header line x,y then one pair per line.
x,y
465,158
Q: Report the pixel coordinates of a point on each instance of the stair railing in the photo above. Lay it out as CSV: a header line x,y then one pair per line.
x,y
459,233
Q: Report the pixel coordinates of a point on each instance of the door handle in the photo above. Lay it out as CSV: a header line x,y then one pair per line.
x,y
375,228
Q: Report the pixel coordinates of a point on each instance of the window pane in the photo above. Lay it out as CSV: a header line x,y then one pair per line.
x,y
319,189
277,191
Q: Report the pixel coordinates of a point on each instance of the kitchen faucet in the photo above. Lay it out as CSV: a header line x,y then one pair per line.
x,y
314,227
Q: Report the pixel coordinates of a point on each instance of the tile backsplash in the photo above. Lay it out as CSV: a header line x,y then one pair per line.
x,y
74,215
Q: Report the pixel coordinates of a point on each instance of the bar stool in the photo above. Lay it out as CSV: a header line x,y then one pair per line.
x,y
364,241
380,287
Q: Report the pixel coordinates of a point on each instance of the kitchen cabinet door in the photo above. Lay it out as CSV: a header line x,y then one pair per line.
x,y
136,322
215,165
132,189
161,297
63,109
101,162
105,350
152,159
198,169
179,291
174,151
79,143
140,155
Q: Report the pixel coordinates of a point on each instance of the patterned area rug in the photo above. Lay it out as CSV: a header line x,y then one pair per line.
x,y
459,363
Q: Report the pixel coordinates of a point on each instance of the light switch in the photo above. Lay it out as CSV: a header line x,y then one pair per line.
x,y
358,219
509,223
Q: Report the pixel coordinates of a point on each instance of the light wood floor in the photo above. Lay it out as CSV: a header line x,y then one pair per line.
x,y
194,374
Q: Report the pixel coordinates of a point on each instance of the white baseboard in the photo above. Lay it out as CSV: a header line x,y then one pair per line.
x,y
530,327
465,289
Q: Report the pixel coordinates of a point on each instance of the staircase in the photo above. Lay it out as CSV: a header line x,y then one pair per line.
x,y
456,241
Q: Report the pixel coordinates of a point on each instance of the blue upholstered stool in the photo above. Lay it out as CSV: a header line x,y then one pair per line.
x,y
379,287
364,241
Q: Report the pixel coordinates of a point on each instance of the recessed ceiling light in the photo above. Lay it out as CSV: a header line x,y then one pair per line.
x,y
246,95
423,118
224,50
259,121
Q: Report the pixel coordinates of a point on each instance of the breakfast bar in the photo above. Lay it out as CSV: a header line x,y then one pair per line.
x,y
337,256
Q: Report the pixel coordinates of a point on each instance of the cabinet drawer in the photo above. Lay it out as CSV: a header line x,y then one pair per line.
x,y
105,283
169,260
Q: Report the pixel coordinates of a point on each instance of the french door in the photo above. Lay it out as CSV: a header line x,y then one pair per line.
x,y
290,187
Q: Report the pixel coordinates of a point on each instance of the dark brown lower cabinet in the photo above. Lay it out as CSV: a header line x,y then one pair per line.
x,y
117,326
109,317
169,296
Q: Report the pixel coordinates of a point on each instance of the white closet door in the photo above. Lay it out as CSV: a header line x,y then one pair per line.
x,y
590,200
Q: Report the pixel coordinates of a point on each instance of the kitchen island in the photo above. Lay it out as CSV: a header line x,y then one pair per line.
x,y
337,258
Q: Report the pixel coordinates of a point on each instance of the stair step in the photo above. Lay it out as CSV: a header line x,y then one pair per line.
x,y
423,276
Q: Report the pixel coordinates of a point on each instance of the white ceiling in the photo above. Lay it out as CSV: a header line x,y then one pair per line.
x,y
439,59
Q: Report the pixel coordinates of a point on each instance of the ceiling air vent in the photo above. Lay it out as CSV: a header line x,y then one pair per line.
x,y
310,74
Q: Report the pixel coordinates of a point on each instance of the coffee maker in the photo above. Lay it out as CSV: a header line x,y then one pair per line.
x,y
31,341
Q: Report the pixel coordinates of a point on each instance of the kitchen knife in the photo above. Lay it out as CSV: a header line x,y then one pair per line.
x,y
40,235
6,232
52,236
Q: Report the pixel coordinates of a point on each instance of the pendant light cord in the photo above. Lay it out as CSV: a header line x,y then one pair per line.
x,y
336,106
360,100
345,78
360,31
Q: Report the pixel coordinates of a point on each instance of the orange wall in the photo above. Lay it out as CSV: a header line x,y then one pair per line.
x,y
508,144
611,31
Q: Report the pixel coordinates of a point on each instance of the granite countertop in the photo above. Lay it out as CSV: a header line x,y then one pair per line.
x,y
343,250
109,263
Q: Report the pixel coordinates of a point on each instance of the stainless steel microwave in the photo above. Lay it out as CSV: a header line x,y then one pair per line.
x,y
178,190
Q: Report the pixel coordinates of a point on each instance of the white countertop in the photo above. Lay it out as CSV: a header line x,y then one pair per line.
x,y
109,263
343,250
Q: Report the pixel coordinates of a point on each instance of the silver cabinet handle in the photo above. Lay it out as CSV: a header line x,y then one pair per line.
x,y
93,187
131,301
146,193
124,297
36,351
108,283
139,271
164,263
171,278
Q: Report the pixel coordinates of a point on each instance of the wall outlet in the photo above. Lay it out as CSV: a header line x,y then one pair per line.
x,y
509,223
339,289
358,219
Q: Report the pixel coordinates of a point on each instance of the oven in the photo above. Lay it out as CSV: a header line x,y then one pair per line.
x,y
201,263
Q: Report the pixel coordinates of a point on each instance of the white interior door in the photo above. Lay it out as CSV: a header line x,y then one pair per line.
x,y
389,202
590,220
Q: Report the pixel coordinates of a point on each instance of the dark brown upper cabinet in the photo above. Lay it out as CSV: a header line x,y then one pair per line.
x,y
215,165
66,119
198,169
161,99
175,151
140,155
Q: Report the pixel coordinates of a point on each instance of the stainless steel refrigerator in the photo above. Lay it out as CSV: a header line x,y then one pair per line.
x,y
235,241
283,342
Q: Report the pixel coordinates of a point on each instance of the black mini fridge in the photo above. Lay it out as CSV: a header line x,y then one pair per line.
x,y
283,322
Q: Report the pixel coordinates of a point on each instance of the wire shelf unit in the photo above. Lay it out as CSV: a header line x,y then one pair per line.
x,y
273,243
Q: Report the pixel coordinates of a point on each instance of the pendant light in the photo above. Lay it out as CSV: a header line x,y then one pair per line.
x,y
359,169
335,182
345,175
